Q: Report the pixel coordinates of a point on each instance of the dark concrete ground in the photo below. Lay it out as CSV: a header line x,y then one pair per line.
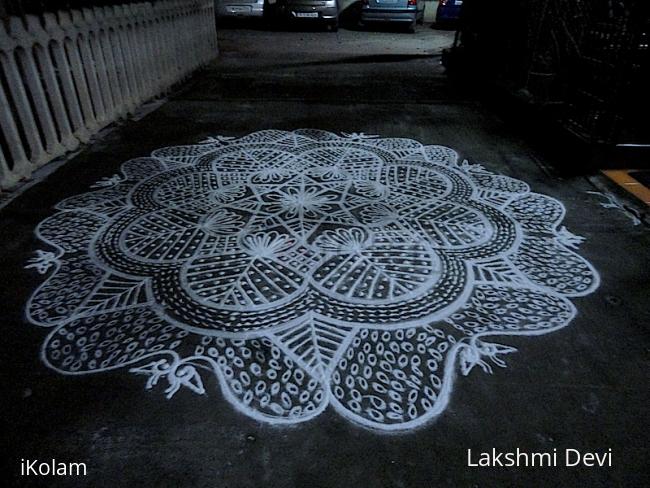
x,y
584,387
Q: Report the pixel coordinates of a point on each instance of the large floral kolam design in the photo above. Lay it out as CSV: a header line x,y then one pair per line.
x,y
304,269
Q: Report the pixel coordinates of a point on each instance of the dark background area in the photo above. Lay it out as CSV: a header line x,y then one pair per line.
x,y
583,63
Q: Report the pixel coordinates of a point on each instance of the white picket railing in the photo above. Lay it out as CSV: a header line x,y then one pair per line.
x,y
65,78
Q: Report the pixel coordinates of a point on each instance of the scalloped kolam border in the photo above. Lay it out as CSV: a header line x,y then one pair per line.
x,y
389,378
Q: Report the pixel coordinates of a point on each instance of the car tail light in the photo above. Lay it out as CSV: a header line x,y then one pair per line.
x,y
413,3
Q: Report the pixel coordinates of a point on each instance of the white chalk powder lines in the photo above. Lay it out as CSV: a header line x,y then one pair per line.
x,y
304,269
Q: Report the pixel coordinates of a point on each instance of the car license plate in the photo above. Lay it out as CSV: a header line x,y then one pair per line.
x,y
309,15
236,9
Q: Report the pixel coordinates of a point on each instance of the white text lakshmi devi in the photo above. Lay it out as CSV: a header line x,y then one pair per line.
x,y
553,458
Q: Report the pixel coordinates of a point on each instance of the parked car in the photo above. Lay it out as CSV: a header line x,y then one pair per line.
x,y
448,11
407,12
324,11
240,8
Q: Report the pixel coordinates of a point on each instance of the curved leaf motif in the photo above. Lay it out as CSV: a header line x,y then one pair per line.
x,y
450,225
169,235
250,279
384,270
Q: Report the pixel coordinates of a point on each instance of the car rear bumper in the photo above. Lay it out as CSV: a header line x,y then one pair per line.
x,y
388,15
324,12
240,9
447,14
